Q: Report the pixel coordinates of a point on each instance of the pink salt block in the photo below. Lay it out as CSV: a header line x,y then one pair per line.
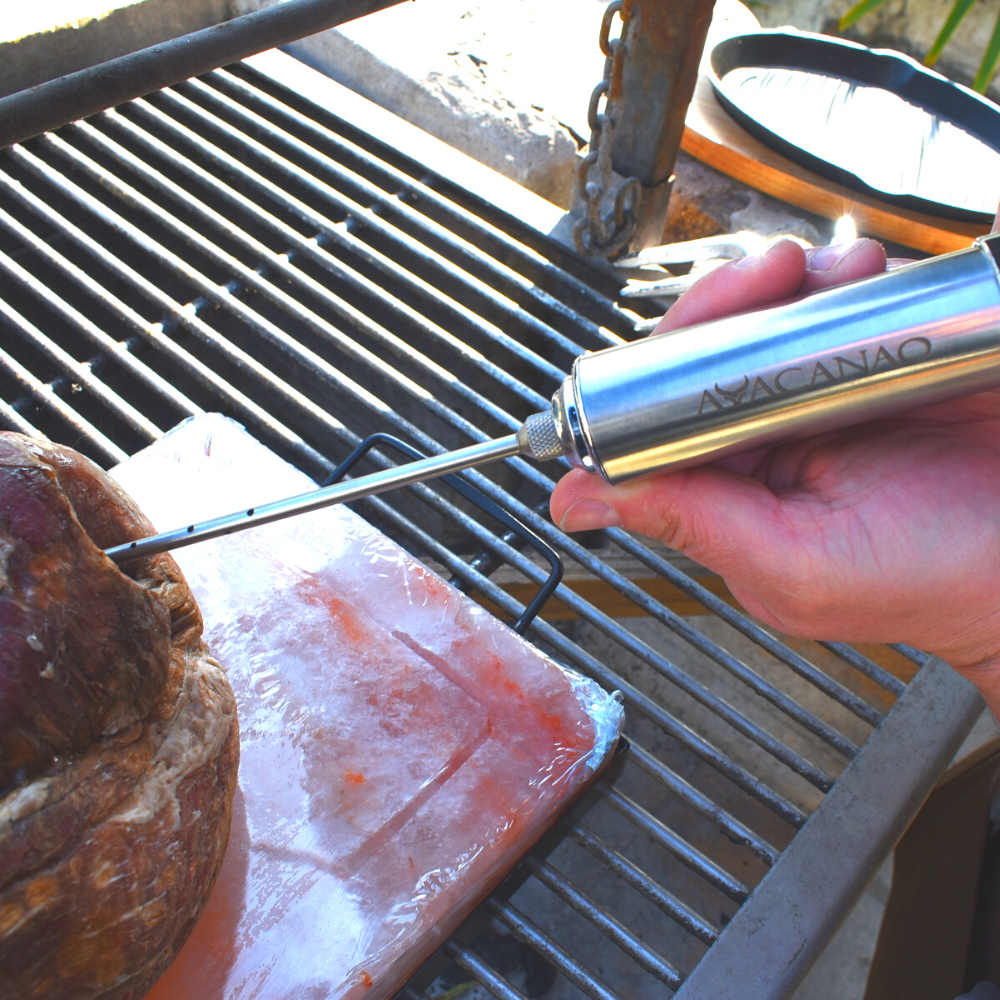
x,y
400,747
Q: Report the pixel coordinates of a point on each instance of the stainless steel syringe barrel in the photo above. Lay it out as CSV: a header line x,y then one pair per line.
x,y
916,335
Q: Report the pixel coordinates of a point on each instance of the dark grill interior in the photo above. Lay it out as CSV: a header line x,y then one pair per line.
x,y
225,245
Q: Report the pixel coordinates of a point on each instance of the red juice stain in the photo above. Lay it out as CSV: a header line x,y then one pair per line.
x,y
513,689
345,614
552,727
353,778
555,726
429,583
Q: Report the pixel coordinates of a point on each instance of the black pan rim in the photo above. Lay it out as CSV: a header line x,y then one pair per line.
x,y
894,72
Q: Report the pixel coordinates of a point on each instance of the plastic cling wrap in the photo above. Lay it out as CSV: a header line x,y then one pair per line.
x,y
400,748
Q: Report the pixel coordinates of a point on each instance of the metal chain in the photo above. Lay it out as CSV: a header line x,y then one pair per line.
x,y
594,235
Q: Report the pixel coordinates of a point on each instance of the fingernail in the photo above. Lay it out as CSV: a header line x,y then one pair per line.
x,y
589,515
751,258
755,258
827,258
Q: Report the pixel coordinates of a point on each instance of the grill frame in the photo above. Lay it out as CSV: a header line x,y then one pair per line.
x,y
896,766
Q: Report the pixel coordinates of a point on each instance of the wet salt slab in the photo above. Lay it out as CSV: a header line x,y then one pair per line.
x,y
400,748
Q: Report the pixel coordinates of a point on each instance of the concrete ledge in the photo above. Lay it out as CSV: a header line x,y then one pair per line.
x,y
506,83
41,44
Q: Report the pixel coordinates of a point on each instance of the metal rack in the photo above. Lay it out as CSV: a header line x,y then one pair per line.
x,y
260,242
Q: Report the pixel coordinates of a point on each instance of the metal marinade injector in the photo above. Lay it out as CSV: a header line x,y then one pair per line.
x,y
920,334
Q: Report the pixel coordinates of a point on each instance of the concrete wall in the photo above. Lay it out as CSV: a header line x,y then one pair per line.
x,y
506,81
50,40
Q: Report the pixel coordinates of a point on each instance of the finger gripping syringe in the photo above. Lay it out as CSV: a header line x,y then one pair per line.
x,y
920,334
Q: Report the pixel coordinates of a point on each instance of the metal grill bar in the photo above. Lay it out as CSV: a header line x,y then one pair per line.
x,y
456,218
611,928
489,978
523,929
325,231
184,317
110,348
16,422
628,872
222,296
754,632
378,223
676,845
47,396
395,207
76,373
308,248
918,657
280,264
733,828
58,101
866,667
132,197
292,273
739,722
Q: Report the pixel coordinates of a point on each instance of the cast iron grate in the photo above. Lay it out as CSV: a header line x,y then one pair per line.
x,y
226,245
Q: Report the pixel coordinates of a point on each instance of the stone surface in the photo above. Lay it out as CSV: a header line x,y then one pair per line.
x,y
506,83
400,748
706,202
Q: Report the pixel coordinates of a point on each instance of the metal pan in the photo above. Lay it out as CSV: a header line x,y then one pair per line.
x,y
872,120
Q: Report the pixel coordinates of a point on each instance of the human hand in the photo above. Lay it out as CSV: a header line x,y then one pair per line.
x,y
884,532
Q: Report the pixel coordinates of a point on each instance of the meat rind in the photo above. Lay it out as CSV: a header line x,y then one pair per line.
x,y
118,740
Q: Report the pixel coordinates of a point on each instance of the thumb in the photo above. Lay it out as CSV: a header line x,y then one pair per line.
x,y
722,520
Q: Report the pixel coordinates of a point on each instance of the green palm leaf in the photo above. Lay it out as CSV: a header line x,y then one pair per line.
x,y
989,63
858,11
960,9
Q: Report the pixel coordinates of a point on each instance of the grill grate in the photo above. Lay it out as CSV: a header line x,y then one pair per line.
x,y
227,245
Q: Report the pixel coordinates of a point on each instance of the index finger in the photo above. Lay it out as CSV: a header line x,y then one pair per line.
x,y
783,271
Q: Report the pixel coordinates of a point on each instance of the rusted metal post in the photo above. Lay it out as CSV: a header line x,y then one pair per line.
x,y
660,73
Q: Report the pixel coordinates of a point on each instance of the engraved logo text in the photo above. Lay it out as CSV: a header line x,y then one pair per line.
x,y
797,378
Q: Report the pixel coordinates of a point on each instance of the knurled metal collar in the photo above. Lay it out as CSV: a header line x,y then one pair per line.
x,y
539,437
